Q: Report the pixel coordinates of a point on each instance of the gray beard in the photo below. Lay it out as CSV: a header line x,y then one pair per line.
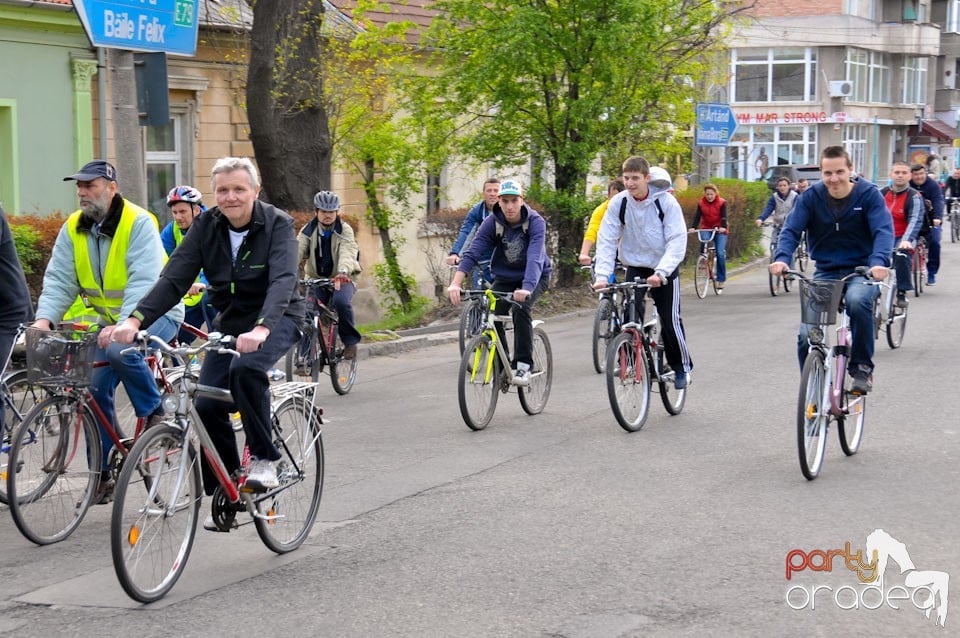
x,y
95,213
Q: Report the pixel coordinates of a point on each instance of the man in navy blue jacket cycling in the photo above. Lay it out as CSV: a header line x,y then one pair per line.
x,y
847,226
475,217
516,234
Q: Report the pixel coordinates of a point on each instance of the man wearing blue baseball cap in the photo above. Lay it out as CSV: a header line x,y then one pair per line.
x,y
519,263
107,256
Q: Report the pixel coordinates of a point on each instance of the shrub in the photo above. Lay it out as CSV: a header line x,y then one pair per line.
x,y
37,235
745,201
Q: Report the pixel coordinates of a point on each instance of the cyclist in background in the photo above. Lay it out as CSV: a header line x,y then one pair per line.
x,y
516,236
906,209
802,185
712,213
590,237
468,231
951,188
847,226
652,241
930,189
185,204
327,247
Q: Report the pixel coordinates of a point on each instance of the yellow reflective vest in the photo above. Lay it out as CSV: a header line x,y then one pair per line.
x,y
102,300
188,299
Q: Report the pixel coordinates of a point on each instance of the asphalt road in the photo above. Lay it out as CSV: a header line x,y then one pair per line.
x,y
562,524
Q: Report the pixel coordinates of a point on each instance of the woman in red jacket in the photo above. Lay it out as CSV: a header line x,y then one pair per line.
x,y
712,213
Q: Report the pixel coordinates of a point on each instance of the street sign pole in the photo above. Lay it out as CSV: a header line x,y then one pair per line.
x,y
122,27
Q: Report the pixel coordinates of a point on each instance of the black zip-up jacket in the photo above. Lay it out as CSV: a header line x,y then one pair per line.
x,y
259,289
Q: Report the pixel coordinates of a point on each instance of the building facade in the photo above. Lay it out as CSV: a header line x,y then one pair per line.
x,y
867,74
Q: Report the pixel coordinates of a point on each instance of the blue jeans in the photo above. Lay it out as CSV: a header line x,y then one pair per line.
x,y
137,380
859,301
933,250
720,243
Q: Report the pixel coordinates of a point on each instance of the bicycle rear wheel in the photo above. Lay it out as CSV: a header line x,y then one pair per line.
x,y
304,367
54,469
479,382
290,511
155,509
917,268
850,425
813,414
628,386
701,277
471,321
343,372
672,398
954,228
19,397
534,397
603,330
712,265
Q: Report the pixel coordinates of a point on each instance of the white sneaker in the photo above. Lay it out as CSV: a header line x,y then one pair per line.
x,y
262,474
209,525
521,376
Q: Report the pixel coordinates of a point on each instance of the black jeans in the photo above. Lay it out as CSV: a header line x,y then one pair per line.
x,y
246,376
667,300
522,318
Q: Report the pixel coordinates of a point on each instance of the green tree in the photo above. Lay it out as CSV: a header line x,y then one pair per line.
x,y
567,81
381,129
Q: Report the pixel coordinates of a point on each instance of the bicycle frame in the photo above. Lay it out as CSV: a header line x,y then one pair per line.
x,y
490,321
642,333
187,418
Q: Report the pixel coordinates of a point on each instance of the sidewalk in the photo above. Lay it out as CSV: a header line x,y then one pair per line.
x,y
424,337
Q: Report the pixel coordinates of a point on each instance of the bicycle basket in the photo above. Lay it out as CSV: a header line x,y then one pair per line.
x,y
819,301
60,357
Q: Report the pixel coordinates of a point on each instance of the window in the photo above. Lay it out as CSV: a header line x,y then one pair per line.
x,y
779,145
433,192
914,72
869,72
861,8
774,75
855,141
162,147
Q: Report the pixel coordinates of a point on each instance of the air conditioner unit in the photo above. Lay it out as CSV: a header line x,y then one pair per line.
x,y
841,88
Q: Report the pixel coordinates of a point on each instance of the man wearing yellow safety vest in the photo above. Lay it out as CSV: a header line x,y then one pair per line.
x,y
109,251
185,204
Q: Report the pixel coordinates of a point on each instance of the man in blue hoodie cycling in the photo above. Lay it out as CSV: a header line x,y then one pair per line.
x,y
847,226
516,234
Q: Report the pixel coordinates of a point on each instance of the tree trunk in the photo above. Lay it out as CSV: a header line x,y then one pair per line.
x,y
381,219
288,124
568,226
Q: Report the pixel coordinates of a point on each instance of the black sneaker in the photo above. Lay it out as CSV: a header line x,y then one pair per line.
x,y
901,301
104,493
862,382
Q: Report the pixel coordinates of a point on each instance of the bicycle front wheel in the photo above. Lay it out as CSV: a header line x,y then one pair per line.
x,y
774,281
954,229
19,397
534,397
802,257
672,398
471,321
286,515
54,469
628,386
343,372
850,425
479,382
701,276
603,331
155,510
813,414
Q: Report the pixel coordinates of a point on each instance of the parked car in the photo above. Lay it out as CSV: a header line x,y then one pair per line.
x,y
793,172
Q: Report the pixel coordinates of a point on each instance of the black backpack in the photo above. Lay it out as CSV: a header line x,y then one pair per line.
x,y
623,211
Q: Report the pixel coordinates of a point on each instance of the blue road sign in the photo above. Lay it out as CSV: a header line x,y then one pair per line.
x,y
158,26
715,124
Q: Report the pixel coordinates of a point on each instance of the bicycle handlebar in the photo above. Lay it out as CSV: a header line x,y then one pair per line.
x,y
215,341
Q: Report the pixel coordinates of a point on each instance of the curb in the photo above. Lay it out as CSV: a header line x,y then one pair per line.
x,y
440,334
